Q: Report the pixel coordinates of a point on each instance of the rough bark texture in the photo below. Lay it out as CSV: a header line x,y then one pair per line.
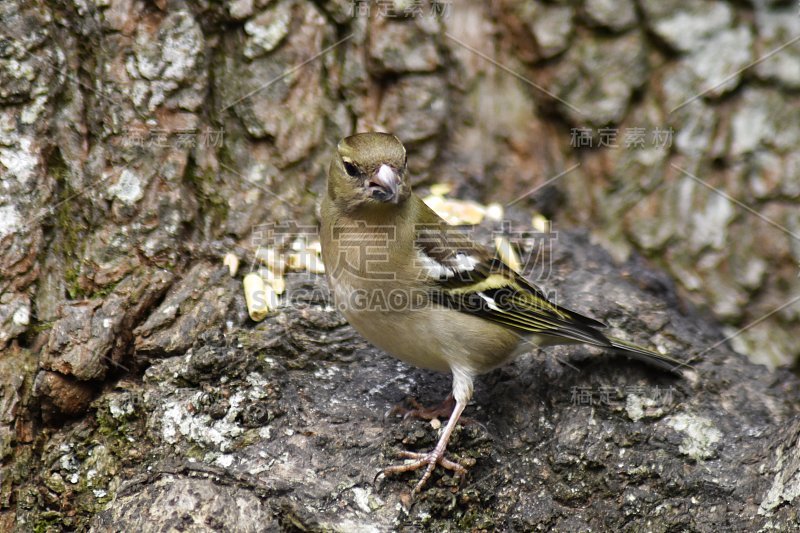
x,y
141,140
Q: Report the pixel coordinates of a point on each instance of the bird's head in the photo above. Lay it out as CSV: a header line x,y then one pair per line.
x,y
369,169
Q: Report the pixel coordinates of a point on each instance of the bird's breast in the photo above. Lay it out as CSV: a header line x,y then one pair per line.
x,y
407,325
383,294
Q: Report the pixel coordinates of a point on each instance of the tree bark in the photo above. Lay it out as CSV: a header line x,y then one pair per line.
x,y
141,141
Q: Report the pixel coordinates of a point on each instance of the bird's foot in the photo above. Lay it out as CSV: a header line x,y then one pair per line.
x,y
428,461
443,410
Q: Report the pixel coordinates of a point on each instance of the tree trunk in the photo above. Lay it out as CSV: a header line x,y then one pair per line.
x,y
142,141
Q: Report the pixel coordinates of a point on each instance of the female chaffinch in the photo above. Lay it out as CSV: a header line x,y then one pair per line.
x,y
425,293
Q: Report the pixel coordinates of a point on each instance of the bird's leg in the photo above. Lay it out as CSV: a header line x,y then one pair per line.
x,y
444,409
436,456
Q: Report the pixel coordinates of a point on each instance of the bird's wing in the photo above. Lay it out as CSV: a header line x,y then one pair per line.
x,y
464,276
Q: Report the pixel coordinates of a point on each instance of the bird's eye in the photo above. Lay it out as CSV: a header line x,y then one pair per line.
x,y
351,169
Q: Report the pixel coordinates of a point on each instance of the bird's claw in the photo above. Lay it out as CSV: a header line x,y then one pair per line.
x,y
419,411
424,460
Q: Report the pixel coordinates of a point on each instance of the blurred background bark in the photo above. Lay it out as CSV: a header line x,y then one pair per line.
x,y
138,138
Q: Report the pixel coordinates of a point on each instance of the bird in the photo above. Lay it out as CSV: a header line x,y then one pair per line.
x,y
426,293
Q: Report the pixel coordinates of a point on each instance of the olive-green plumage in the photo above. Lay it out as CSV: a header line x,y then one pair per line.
x,y
427,294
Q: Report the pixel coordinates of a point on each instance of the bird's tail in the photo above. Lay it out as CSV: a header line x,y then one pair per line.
x,y
647,356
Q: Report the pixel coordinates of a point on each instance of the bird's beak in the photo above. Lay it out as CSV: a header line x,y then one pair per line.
x,y
384,184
